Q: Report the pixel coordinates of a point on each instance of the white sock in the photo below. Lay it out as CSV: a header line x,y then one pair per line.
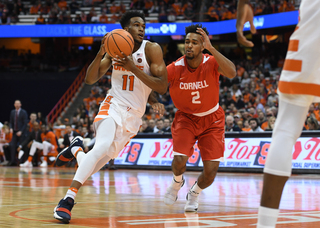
x,y
267,217
195,189
72,192
177,179
75,149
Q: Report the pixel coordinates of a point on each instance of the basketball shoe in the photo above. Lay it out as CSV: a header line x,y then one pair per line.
x,y
192,201
26,164
66,155
171,195
62,212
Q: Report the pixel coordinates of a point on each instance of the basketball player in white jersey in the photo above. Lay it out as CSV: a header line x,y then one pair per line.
x,y
119,117
299,86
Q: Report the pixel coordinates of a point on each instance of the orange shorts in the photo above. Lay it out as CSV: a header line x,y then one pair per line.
x,y
208,130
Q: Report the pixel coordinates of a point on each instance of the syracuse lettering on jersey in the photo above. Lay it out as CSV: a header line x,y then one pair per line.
x,y
194,85
115,67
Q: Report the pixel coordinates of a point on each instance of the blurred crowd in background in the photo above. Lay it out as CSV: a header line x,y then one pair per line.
x,y
100,11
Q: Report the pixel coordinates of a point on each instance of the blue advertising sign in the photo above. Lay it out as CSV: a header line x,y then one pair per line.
x,y
152,29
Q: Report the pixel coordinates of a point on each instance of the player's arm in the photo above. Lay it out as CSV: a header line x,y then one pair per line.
x,y
99,66
158,69
244,14
226,67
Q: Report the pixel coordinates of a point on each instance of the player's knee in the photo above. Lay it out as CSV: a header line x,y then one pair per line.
x,y
179,161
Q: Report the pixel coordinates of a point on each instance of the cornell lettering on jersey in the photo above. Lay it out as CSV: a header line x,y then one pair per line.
x,y
194,85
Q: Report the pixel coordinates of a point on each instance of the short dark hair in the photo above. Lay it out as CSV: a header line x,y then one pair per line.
x,y
193,29
254,119
125,19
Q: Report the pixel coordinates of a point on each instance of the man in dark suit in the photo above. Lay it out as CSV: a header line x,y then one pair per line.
x,y
68,136
24,147
18,126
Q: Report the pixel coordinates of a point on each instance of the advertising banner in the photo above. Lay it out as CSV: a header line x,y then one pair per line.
x,y
239,153
152,29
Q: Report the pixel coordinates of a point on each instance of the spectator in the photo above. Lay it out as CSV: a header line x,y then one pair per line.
x,y
74,6
230,125
313,123
24,148
114,8
166,126
63,5
152,125
269,114
49,144
162,17
189,13
171,15
261,118
155,8
159,126
253,122
246,126
271,122
33,120
145,128
40,20
34,9
5,138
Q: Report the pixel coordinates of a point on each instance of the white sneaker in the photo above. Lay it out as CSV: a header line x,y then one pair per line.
x,y
171,195
26,164
44,164
192,202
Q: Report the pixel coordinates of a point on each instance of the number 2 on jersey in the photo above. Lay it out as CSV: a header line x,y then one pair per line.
x,y
125,82
196,96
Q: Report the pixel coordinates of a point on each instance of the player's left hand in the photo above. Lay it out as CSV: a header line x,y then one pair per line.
x,y
124,61
158,108
205,38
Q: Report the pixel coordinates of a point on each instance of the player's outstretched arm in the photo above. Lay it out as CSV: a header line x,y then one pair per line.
x,y
99,66
244,14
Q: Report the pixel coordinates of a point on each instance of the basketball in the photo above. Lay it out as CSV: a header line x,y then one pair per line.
x,y
117,41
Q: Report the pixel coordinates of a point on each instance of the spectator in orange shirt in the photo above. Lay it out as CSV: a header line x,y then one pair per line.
x,y
40,20
114,8
246,126
63,5
34,9
147,6
103,18
177,7
89,100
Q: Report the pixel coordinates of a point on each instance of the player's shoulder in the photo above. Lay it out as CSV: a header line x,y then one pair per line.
x,y
152,45
179,62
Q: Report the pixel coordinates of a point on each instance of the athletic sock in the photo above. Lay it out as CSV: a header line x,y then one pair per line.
x,y
75,150
195,189
72,192
267,217
177,179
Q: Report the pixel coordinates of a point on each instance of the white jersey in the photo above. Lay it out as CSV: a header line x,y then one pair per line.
x,y
127,89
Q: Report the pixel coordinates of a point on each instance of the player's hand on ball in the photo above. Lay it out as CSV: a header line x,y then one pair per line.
x,y
124,61
102,50
158,108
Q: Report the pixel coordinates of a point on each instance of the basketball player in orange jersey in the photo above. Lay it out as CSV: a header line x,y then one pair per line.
x,y
194,89
119,117
299,86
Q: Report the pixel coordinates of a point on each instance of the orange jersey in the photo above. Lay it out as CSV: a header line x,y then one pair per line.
x,y
194,92
51,138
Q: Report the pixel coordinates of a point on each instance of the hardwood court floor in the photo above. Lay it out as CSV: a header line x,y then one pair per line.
x,y
133,199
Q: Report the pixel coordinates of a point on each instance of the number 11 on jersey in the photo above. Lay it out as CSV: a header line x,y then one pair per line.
x,y
125,82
